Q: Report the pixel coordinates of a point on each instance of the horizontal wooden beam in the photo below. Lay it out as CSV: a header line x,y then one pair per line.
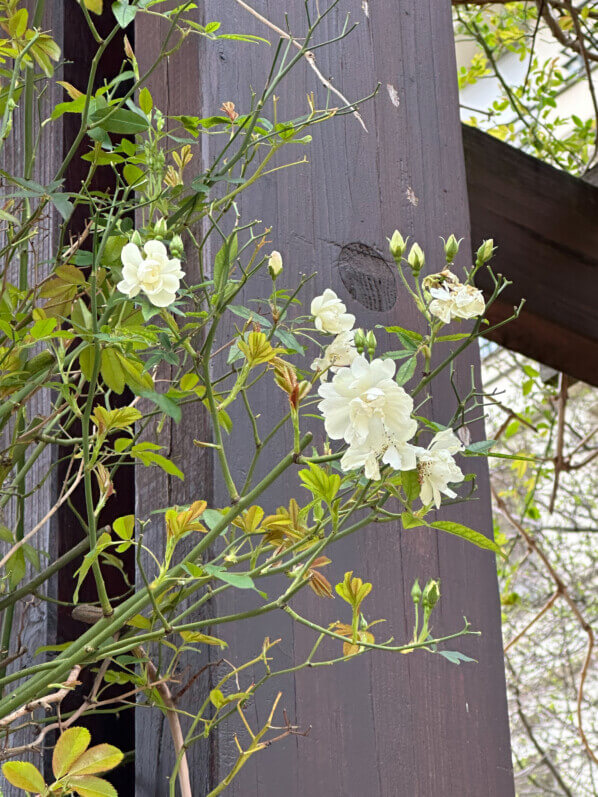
x,y
544,223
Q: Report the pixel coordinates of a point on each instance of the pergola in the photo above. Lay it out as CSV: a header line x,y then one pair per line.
x,y
381,725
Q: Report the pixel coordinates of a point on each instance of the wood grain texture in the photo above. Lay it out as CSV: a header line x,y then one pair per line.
x,y
175,87
383,725
544,224
34,621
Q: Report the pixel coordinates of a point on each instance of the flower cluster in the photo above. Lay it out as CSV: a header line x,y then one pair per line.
x,y
436,468
157,275
331,317
365,407
451,299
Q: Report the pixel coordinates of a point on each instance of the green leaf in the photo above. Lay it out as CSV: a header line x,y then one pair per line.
x,y
133,174
6,216
94,5
249,315
467,534
454,656
70,274
102,158
238,580
146,102
87,562
225,421
100,758
166,404
397,355
456,336
43,328
223,263
408,337
321,484
6,534
69,746
289,341
121,121
406,370
206,639
167,466
134,375
410,484
15,567
17,23
62,204
124,526
481,447
24,775
217,698
90,786
411,521
111,371
74,106
124,14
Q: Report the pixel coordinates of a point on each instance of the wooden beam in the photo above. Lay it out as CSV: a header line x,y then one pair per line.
x,y
544,224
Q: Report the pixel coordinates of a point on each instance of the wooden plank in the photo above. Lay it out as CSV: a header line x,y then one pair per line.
x,y
381,724
544,223
175,87
34,622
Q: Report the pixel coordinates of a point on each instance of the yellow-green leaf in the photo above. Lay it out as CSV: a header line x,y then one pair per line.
x,y
145,100
134,375
94,5
24,776
468,534
196,636
86,358
70,745
111,370
124,526
90,786
100,758
70,274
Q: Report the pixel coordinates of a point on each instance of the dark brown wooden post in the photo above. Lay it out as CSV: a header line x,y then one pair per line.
x,y
382,724
35,620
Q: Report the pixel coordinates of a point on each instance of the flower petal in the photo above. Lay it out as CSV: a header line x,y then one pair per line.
x,y
156,250
131,256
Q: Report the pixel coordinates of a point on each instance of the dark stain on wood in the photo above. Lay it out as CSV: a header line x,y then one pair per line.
x,y
368,277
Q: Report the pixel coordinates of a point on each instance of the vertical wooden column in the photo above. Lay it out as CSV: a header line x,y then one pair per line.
x,y
175,87
382,724
34,622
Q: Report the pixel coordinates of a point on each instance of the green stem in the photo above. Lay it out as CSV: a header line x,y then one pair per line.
x,y
89,643
44,575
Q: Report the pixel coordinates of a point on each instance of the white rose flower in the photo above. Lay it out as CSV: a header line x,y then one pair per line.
x,y
365,407
330,313
380,446
157,275
469,302
339,354
436,467
451,299
442,304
